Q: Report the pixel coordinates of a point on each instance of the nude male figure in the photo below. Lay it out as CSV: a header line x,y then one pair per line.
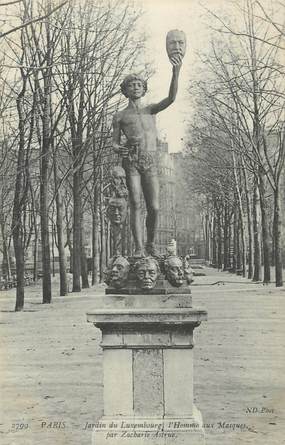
x,y
139,154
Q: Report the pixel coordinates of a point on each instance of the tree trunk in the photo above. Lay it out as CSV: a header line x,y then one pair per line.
x,y
44,168
229,243
46,284
36,236
226,238
240,219
220,242
235,241
6,266
277,230
76,269
250,258
20,268
238,257
59,228
17,228
61,251
265,232
257,275
52,249
243,244
103,248
108,241
103,230
35,257
95,238
84,268
214,242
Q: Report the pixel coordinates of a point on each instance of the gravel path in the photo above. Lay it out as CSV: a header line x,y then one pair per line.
x,y
51,371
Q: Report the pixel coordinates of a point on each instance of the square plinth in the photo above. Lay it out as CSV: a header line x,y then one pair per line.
x,y
147,344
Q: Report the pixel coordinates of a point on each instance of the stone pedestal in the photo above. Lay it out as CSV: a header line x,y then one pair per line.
x,y
147,343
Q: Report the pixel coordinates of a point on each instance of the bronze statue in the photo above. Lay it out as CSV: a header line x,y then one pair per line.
x,y
174,270
147,272
139,154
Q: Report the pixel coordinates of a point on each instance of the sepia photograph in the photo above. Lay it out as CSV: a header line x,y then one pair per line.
x,y
142,222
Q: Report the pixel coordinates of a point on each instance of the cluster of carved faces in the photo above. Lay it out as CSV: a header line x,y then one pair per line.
x,y
147,271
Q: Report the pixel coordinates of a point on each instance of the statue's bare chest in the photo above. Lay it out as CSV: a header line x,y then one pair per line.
x,y
137,120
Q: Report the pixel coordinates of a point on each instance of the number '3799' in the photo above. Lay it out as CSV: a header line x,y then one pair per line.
x,y
19,426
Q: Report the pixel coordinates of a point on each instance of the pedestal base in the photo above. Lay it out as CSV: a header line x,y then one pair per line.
x,y
147,343
150,430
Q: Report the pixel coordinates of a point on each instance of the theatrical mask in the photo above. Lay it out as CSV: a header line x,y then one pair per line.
x,y
174,270
118,272
118,182
176,44
117,210
147,271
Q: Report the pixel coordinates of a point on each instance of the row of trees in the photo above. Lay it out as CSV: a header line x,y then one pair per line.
x,y
61,67
237,143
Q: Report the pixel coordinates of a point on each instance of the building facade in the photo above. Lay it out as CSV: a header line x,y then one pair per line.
x,y
176,216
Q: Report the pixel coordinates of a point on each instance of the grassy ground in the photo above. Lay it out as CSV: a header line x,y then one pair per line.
x,y
51,370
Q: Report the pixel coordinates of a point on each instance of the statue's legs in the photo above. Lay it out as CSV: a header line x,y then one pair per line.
x,y
150,187
134,188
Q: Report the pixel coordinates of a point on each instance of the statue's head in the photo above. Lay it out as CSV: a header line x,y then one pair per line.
x,y
174,270
147,271
118,273
134,86
176,43
117,210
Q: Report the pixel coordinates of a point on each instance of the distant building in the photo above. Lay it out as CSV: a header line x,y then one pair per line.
x,y
188,227
176,216
166,224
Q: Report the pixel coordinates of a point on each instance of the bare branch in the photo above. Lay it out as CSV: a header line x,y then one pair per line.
x,y
11,3
35,20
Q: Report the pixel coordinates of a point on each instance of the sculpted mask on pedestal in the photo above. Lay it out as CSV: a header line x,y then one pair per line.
x,y
188,275
147,271
188,271
174,270
118,270
176,44
117,211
